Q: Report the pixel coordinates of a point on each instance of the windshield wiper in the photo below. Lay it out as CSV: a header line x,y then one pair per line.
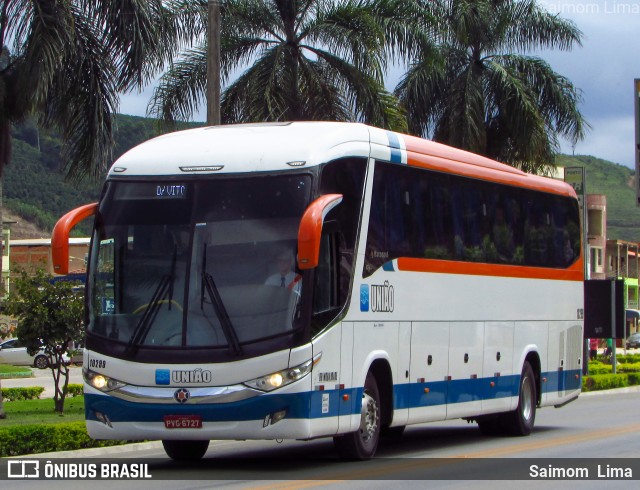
x,y
151,311
209,285
149,314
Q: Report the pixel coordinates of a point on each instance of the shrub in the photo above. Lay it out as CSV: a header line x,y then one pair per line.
x,y
32,439
609,381
628,359
629,368
599,368
634,378
74,390
29,393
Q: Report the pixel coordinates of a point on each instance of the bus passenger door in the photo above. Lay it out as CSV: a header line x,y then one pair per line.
x,y
498,383
428,371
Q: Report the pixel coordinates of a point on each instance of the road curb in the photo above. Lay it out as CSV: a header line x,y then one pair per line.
x,y
614,391
4,376
96,452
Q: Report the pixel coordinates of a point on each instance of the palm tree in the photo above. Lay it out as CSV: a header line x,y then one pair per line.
x,y
306,59
473,89
65,62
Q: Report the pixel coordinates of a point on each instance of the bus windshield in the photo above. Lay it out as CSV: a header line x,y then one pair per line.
x,y
197,264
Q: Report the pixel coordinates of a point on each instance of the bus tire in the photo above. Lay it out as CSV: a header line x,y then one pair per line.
x,y
362,444
520,421
185,450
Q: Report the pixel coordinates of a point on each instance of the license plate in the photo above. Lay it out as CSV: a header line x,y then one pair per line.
x,y
183,421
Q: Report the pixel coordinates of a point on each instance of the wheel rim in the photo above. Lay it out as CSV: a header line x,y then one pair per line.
x,y
527,399
41,362
368,418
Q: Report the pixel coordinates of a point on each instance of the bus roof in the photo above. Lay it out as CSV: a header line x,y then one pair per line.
x,y
267,147
244,148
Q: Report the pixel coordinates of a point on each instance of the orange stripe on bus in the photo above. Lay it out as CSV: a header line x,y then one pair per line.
x,y
427,147
573,273
458,162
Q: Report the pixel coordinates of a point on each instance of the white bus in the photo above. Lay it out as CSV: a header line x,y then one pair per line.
x,y
428,284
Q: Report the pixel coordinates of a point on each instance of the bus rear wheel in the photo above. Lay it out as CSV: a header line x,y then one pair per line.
x,y
520,421
362,444
185,450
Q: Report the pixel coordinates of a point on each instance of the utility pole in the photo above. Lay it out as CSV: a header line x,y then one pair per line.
x,y
213,63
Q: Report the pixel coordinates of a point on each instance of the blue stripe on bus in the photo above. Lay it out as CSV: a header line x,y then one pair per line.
x,y
394,141
388,266
394,146
311,404
559,381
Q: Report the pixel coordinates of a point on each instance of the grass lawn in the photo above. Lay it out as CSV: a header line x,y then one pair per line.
x,y
24,412
8,371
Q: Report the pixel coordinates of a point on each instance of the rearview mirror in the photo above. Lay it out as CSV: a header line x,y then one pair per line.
x,y
310,230
60,236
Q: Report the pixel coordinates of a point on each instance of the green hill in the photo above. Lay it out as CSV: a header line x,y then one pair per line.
x,y
33,184
617,183
34,187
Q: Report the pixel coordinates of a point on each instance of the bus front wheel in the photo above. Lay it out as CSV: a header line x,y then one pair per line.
x,y
185,450
362,444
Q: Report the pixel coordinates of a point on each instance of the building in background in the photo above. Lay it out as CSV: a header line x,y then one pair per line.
x,y
34,254
6,268
622,263
597,234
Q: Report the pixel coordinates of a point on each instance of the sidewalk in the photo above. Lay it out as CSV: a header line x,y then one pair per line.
x,y
42,377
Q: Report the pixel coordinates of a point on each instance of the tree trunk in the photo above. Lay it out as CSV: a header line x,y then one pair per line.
x,y
60,372
213,64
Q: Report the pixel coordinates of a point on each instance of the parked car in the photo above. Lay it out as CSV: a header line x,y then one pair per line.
x,y
633,340
76,354
13,352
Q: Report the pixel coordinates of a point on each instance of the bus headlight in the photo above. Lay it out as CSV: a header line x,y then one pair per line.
x,y
100,381
282,378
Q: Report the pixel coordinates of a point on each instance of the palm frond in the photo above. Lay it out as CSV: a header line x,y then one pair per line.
x,y
257,95
422,92
364,94
286,77
530,26
140,34
473,91
181,88
81,101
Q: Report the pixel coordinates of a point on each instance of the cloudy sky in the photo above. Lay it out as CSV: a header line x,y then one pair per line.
x,y
603,68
